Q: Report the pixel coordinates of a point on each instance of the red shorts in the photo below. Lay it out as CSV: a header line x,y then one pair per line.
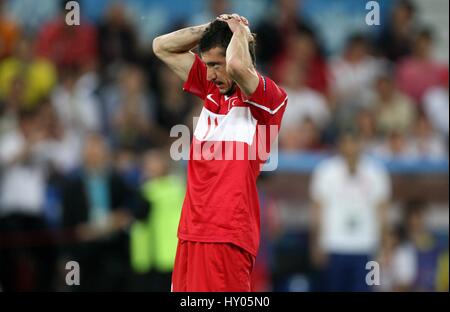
x,y
211,267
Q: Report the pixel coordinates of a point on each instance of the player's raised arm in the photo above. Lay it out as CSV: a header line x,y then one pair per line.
x,y
174,48
240,65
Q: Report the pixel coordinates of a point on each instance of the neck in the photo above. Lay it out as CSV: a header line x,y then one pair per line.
x,y
231,90
352,165
95,170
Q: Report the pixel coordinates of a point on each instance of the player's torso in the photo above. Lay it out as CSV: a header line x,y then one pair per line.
x,y
222,148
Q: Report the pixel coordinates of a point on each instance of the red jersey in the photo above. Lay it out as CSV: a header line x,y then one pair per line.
x,y
221,203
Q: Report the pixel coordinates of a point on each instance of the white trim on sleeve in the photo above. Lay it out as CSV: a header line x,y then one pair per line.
x,y
272,112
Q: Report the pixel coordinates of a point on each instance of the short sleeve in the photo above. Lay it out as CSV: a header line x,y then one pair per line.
x,y
197,84
268,102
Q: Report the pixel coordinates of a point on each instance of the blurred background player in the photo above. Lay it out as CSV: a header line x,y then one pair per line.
x,y
350,195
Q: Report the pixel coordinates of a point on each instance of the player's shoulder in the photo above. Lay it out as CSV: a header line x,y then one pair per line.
x,y
268,83
373,165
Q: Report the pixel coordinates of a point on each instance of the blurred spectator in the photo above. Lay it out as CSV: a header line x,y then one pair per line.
x,y
27,260
397,262
367,128
68,45
426,143
94,210
396,39
280,23
436,102
395,146
75,103
173,107
9,32
130,111
307,109
350,195
62,146
212,10
354,73
419,72
393,110
154,235
302,53
126,162
353,78
304,102
426,250
37,75
422,144
117,42
10,107
442,272
301,137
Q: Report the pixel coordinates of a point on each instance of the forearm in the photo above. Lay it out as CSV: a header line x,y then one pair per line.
x,y
237,54
179,41
239,61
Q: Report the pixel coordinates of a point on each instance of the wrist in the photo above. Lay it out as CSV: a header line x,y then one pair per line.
x,y
241,30
203,27
244,32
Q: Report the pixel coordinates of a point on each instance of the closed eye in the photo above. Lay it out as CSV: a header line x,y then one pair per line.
x,y
213,65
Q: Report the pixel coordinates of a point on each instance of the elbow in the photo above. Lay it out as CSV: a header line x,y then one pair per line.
x,y
157,46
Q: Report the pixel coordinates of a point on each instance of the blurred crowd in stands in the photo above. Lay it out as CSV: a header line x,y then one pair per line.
x,y
85,119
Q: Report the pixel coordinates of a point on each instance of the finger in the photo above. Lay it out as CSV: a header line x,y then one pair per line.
x,y
244,20
236,16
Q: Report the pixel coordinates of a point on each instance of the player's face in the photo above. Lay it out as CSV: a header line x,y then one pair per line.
x,y
216,69
350,147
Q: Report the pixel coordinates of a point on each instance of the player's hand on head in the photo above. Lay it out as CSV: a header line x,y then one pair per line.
x,y
245,21
234,24
240,18
226,17
236,21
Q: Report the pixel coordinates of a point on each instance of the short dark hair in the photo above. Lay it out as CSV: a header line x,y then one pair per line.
x,y
218,34
425,33
415,206
27,114
349,131
408,5
357,39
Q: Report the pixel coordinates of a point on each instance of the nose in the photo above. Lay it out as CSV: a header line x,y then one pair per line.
x,y
211,74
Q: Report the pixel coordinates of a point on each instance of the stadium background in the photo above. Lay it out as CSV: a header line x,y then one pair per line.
x,y
95,94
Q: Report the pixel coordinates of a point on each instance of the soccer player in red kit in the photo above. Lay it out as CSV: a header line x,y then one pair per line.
x,y
219,227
